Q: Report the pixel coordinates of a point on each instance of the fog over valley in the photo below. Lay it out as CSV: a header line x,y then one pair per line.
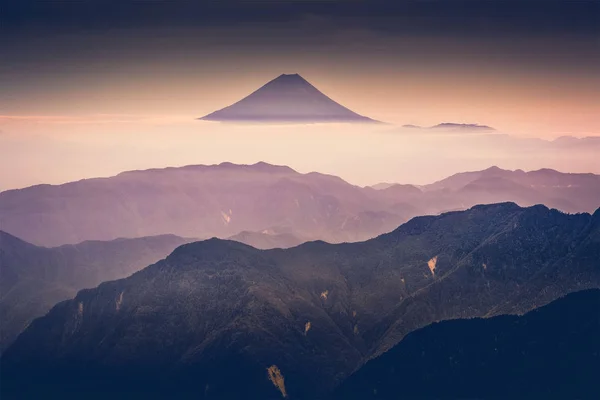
x,y
362,155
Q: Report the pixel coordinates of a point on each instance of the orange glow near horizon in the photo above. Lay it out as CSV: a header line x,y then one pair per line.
x,y
71,103
518,87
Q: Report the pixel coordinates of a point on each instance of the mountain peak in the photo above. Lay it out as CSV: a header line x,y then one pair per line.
x,y
291,76
289,98
494,169
289,79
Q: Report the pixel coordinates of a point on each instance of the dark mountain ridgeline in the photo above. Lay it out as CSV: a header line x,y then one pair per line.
x,y
36,278
552,352
214,316
33,279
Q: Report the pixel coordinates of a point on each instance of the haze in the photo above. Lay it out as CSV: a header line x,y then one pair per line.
x,y
526,87
59,151
93,89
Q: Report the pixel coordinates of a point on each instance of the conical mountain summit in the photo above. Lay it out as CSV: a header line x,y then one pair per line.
x,y
288,98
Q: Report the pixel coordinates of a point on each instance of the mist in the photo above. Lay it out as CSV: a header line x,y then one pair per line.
x,y
59,150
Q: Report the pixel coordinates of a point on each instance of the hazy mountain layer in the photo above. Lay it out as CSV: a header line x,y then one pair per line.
x,y
219,319
196,201
551,353
223,200
564,191
267,240
36,278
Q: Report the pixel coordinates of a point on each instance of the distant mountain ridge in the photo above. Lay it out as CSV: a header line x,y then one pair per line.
x,y
570,192
382,185
452,126
266,240
195,201
288,98
545,177
36,278
222,200
219,319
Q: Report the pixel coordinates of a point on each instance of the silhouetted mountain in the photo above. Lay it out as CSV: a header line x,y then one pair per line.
x,y
267,240
219,319
463,127
36,278
288,99
451,126
196,201
550,353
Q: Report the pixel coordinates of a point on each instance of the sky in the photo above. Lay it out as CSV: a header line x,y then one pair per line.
x,y
84,71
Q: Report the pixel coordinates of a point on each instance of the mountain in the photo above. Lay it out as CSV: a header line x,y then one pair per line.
x,y
204,201
411,126
588,142
564,191
399,191
267,240
396,188
196,201
219,319
451,126
382,185
552,353
287,99
36,278
463,127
